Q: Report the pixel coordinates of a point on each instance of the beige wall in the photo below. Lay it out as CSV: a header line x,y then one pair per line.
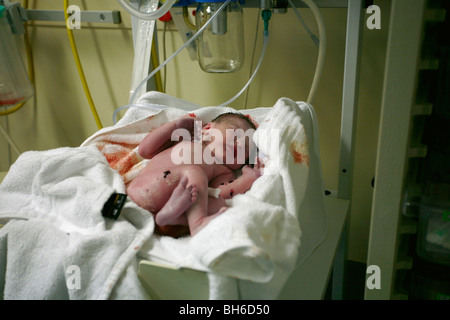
x,y
59,114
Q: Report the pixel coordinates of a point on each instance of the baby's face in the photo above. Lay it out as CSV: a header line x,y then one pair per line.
x,y
231,141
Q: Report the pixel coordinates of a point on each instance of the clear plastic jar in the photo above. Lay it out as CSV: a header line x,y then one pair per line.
x,y
220,47
15,86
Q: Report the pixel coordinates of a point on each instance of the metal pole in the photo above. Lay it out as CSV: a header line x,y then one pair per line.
x,y
350,97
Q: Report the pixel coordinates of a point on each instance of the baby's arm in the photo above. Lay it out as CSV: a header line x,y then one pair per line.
x,y
159,139
230,186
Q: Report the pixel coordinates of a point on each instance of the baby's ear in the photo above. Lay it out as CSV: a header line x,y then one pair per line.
x,y
206,128
206,132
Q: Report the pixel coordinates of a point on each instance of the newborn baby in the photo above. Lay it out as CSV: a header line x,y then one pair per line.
x,y
174,184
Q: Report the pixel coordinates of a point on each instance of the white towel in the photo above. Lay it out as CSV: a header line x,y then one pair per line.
x,y
57,244
249,251
257,241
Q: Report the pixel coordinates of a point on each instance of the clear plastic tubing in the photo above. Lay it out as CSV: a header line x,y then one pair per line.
x,y
322,49
266,40
147,15
133,97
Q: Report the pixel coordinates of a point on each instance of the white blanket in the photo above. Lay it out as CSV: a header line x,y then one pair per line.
x,y
249,251
56,244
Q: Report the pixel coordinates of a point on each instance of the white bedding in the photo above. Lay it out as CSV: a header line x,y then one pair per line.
x,y
249,251
56,244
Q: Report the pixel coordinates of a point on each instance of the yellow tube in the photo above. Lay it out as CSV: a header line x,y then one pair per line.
x,y
155,64
80,68
12,110
186,19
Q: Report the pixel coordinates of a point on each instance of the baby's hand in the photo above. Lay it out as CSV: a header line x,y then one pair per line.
x,y
192,125
250,172
186,123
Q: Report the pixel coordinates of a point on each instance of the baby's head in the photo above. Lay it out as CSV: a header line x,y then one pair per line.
x,y
230,137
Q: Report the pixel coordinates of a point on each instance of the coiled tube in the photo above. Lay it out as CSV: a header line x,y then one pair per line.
x,y
322,49
147,15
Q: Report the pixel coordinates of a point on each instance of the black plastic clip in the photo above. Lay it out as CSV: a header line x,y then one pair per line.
x,y
114,205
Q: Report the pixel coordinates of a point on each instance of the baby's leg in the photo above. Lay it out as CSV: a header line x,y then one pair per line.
x,y
216,204
154,190
181,199
198,180
164,193
197,215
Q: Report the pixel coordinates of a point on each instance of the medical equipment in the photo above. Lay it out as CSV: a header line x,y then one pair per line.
x,y
15,86
19,16
207,55
186,29
137,90
337,232
16,27
266,14
147,15
220,47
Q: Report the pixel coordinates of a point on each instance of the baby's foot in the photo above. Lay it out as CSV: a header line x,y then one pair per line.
x,y
181,199
184,194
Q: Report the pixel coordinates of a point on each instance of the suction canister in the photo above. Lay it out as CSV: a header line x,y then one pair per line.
x,y
15,86
220,48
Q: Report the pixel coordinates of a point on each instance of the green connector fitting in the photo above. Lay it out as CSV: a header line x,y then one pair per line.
x,y
266,15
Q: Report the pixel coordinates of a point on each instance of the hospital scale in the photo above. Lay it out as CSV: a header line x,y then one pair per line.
x,y
310,280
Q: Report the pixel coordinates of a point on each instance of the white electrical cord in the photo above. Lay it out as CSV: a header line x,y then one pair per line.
x,y
322,49
147,15
224,5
